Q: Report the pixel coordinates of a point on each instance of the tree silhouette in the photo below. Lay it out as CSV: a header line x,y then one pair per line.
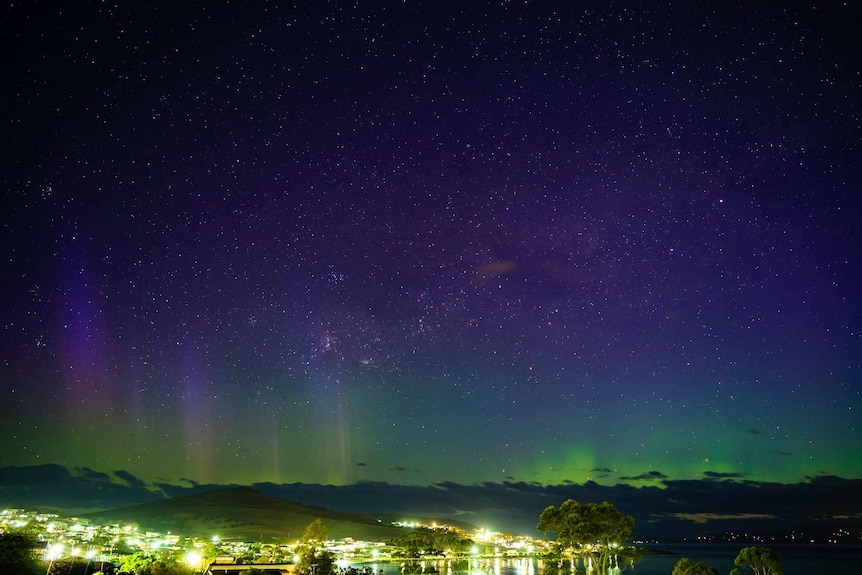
x,y
18,554
314,558
594,531
685,567
758,560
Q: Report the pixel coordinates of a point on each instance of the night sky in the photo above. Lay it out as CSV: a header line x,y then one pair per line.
x,y
419,242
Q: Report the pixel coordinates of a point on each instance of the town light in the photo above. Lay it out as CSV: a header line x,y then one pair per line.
x,y
193,559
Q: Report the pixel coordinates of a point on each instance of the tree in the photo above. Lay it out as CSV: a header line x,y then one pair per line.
x,y
593,531
415,543
70,566
315,533
685,567
135,563
17,554
627,557
554,566
452,544
758,560
154,564
314,558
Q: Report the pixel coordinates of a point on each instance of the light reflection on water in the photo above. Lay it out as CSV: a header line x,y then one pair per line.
x,y
497,566
796,560
474,566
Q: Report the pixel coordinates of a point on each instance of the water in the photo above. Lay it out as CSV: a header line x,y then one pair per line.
x,y
795,560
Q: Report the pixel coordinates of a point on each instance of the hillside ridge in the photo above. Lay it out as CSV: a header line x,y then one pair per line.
x,y
243,513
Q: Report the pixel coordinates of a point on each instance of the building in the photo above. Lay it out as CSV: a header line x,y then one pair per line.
x,y
219,568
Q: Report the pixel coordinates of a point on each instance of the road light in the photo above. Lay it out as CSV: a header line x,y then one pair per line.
x,y
90,554
51,554
193,559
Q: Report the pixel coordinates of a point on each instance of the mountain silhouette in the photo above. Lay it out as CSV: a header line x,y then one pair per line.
x,y
246,514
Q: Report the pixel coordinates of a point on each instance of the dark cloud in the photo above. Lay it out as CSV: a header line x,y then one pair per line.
x,y
720,475
35,474
647,476
78,488
167,490
130,479
666,510
90,475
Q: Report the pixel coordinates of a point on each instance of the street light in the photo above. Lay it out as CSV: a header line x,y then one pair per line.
x,y
51,554
193,559
90,554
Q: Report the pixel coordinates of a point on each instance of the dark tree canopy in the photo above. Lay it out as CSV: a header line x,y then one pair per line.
x,y
685,567
414,543
17,554
593,531
757,560
314,558
576,524
418,542
315,533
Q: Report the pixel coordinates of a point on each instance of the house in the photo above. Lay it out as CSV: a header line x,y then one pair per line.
x,y
218,568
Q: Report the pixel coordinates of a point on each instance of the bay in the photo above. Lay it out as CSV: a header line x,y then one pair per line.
x,y
795,560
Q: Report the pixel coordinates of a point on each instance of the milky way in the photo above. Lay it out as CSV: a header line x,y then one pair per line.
x,y
417,242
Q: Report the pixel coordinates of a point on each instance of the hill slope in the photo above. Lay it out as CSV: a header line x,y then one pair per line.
x,y
245,514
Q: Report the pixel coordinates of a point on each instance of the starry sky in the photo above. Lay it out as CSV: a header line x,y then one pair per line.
x,y
418,242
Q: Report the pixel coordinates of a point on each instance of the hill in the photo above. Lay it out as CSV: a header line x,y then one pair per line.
x,y
245,514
